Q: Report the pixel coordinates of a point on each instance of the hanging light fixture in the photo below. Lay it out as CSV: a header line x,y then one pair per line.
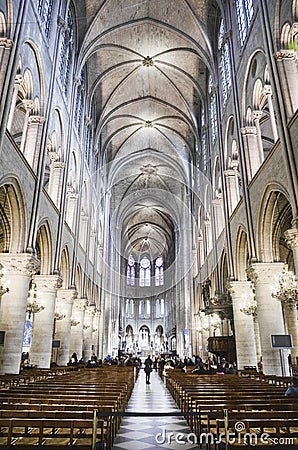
x,y
32,306
286,290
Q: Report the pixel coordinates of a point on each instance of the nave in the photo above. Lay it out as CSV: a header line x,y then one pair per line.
x,y
137,433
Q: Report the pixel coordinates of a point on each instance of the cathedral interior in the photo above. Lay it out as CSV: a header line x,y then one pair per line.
x,y
148,180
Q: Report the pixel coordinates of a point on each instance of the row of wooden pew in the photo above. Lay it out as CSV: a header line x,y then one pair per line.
x,y
226,411
68,410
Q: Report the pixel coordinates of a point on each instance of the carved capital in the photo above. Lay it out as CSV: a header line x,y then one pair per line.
x,y
285,54
80,304
256,115
291,237
6,43
90,310
29,104
53,156
39,120
19,264
248,130
267,89
264,273
47,282
58,165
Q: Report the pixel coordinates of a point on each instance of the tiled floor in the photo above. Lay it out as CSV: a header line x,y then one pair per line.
x,y
137,433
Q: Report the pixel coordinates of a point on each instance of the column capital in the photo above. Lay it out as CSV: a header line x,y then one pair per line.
x,y
263,272
248,130
47,282
36,120
67,296
28,104
6,43
291,236
80,304
284,54
58,164
238,287
256,114
20,263
90,310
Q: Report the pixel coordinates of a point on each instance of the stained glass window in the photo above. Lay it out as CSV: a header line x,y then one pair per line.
x,y
244,14
145,272
224,64
130,272
159,271
212,111
66,53
44,8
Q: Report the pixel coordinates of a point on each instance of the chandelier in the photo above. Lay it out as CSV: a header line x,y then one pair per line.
x,y
287,288
32,305
3,282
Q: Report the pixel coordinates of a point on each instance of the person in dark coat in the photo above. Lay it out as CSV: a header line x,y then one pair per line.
x,y
148,368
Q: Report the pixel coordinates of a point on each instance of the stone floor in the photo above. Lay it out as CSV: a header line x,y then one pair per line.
x,y
165,432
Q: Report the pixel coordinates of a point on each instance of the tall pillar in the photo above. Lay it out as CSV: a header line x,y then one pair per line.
x,y
88,331
29,106
287,65
5,51
250,144
32,144
291,237
232,182
95,332
19,269
55,180
43,326
77,327
268,92
256,117
270,314
64,304
19,81
243,324
72,201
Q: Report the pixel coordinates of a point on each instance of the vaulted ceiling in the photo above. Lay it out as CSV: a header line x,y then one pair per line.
x,y
147,63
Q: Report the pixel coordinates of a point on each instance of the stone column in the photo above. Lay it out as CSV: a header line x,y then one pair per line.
x,y
19,81
291,237
5,51
19,269
243,324
55,180
269,313
43,324
95,332
29,106
32,144
232,182
64,304
256,117
287,65
218,215
71,208
268,93
88,331
77,324
251,151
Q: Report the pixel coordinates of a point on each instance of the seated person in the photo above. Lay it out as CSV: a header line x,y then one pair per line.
x,y
292,391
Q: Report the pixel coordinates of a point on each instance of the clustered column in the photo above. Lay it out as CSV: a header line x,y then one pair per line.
x,y
77,327
64,305
19,269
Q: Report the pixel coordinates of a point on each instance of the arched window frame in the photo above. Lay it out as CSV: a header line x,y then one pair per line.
x,y
79,104
159,271
130,271
145,272
244,14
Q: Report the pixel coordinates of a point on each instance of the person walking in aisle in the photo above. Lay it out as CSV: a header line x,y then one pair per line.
x,y
148,368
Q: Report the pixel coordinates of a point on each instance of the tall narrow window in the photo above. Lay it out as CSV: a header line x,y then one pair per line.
x,y
224,64
45,8
145,272
159,271
148,309
162,307
212,111
79,102
130,271
66,53
244,14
